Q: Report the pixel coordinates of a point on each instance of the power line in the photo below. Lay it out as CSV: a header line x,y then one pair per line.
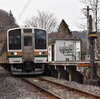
x,y
22,12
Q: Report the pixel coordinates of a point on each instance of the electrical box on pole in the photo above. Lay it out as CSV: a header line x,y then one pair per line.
x,y
92,35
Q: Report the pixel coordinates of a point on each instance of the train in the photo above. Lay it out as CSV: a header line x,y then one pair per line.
x,y
25,50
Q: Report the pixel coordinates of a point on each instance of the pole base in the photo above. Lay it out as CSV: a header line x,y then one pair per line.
x,y
93,82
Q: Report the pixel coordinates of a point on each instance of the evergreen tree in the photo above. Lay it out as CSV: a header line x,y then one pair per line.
x,y
63,30
11,18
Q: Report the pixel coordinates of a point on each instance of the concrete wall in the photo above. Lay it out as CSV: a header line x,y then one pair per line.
x,y
66,72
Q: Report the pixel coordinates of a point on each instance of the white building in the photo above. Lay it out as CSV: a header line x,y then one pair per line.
x,y
64,50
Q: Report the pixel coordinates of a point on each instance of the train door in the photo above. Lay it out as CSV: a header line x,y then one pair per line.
x,y
27,47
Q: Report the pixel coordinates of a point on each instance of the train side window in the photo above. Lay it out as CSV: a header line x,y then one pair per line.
x,y
27,41
14,39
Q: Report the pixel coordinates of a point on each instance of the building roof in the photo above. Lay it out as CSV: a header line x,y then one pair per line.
x,y
63,32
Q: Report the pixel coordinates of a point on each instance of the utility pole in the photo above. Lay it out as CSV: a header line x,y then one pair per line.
x,y
91,48
91,36
88,30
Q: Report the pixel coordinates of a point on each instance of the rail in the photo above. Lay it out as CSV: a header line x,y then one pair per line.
x,y
62,89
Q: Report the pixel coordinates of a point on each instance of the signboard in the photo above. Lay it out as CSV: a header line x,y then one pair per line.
x,y
84,64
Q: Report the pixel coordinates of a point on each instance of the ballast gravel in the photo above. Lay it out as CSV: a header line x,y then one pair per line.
x,y
15,88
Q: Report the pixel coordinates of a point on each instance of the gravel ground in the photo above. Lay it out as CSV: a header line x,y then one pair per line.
x,y
15,88
87,88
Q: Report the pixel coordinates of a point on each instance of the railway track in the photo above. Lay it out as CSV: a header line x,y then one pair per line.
x,y
34,83
48,88
58,90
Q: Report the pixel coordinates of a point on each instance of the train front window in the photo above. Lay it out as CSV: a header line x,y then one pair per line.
x,y
15,39
40,39
27,41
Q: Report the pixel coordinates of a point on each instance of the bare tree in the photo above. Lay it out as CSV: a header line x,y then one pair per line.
x,y
94,6
44,20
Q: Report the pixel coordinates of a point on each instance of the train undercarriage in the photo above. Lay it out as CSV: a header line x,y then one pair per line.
x,y
27,68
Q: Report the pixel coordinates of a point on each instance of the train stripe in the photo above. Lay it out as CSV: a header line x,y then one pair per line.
x,y
14,56
18,54
40,56
37,53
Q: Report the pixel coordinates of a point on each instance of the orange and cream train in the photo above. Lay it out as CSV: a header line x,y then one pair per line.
x,y
25,51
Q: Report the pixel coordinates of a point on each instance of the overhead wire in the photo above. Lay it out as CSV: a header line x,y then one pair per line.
x,y
23,10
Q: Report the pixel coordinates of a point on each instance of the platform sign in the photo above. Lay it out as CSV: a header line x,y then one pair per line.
x,y
84,64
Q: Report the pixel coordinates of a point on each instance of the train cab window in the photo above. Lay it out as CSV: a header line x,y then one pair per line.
x,y
14,39
40,39
27,41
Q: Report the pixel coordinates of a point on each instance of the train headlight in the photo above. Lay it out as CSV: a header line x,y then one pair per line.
x,y
40,53
15,53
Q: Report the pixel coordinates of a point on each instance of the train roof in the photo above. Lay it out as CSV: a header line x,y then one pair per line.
x,y
52,41
25,28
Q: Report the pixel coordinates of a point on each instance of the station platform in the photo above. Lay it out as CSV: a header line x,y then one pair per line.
x,y
78,71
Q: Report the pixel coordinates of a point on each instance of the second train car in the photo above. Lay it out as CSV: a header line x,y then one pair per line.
x,y
26,50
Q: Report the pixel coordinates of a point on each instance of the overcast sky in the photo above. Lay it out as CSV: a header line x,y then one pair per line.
x,y
69,10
